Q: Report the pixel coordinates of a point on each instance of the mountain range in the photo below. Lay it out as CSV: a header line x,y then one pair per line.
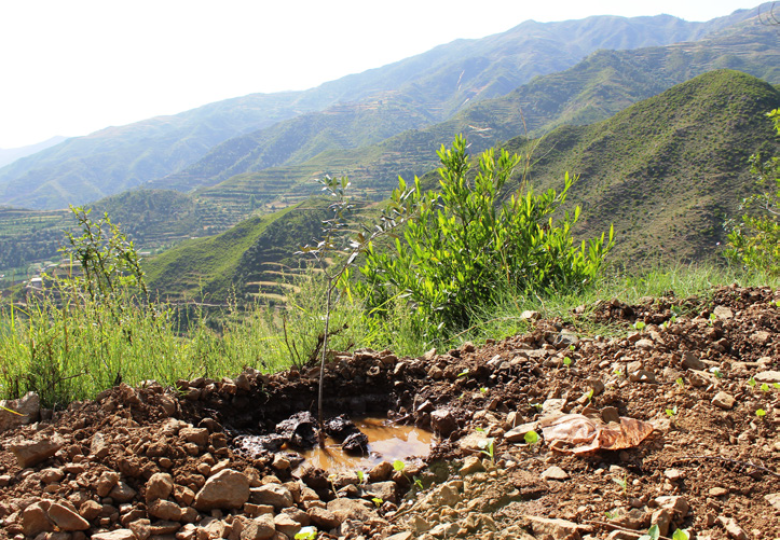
x,y
356,110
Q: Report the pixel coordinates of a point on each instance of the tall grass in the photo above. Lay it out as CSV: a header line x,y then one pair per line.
x,y
70,348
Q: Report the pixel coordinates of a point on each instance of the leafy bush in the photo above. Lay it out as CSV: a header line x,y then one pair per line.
x,y
754,240
462,249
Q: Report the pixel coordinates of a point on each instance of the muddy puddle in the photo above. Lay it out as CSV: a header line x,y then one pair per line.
x,y
386,442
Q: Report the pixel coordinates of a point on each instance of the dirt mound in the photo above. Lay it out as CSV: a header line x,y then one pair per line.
x,y
186,463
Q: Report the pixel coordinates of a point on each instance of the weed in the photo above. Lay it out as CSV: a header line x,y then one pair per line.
x,y
653,533
531,438
681,534
306,533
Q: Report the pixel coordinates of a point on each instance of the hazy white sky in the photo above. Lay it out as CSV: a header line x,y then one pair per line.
x,y
73,67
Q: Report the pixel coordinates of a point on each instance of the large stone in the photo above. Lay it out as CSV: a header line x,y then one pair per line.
x,y
273,494
443,422
26,410
555,473
159,486
345,509
260,528
29,452
227,489
35,519
106,482
286,525
66,519
323,519
162,509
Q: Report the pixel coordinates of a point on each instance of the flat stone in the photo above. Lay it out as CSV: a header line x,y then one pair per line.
x,y
162,509
517,434
554,529
119,534
722,312
718,491
555,473
773,499
679,506
768,377
273,494
29,452
723,400
28,408
379,490
66,519
690,360
674,474
227,489
473,443
323,519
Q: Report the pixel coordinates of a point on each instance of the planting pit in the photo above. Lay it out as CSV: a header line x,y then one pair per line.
x,y
154,462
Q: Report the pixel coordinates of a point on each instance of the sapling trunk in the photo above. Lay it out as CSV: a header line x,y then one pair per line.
x,y
321,434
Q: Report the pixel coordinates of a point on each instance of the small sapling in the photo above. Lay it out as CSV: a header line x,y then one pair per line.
x,y
639,325
761,413
377,501
681,534
531,438
567,361
653,533
752,382
306,533
765,387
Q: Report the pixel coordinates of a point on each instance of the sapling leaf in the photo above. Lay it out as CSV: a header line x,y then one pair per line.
x,y
531,437
760,413
752,382
361,476
463,373
681,534
377,501
671,412
399,465
680,382
483,390
765,387
776,385
639,325
567,361
481,430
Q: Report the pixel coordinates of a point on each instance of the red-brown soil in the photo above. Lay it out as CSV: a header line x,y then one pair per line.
x,y
695,371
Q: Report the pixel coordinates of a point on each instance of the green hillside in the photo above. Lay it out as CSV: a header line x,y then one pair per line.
x,y
595,89
431,85
248,259
667,171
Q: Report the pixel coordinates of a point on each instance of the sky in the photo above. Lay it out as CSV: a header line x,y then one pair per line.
x,y
73,67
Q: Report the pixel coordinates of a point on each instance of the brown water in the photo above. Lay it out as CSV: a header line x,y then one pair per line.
x,y
386,442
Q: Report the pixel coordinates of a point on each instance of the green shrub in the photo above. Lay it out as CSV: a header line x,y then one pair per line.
x,y
462,249
754,239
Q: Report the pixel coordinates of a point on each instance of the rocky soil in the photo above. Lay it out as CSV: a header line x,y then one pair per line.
x,y
677,418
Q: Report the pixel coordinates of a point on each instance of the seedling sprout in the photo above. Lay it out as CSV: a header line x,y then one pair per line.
x,y
765,387
760,413
653,533
752,382
681,534
531,438
306,533
567,361
639,325
377,501
463,373
680,382
671,412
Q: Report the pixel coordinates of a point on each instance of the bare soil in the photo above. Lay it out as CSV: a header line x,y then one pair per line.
x,y
702,373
